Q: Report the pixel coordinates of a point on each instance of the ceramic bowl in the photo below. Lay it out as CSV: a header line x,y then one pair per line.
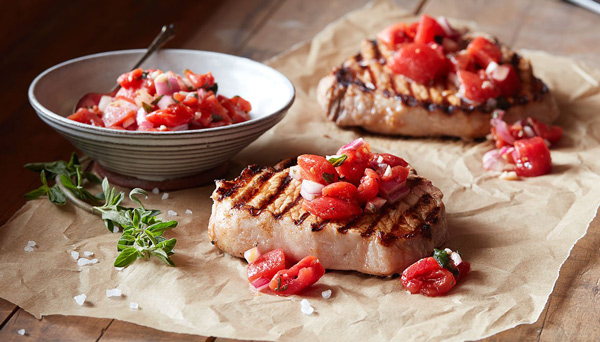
x,y
158,156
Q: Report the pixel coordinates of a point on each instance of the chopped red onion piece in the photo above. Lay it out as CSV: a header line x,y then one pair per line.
x,y
104,101
493,160
502,130
387,188
311,190
353,146
375,204
173,85
448,29
260,282
295,172
165,102
161,84
399,194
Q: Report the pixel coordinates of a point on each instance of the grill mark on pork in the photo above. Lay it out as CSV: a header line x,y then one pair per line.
x,y
301,218
289,206
229,189
246,197
318,226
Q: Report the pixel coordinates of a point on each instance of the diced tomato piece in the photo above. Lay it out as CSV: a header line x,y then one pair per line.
x,y
267,265
87,116
411,30
211,105
343,190
551,133
235,113
172,116
298,277
369,186
127,94
317,169
353,168
419,62
427,277
532,157
463,60
242,104
474,89
387,159
428,30
132,79
484,51
506,79
178,97
118,112
332,208
198,80
398,173
393,35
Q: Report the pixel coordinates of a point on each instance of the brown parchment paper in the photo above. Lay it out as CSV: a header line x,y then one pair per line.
x,y
515,234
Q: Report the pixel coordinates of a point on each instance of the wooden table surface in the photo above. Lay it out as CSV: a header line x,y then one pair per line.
x,y
39,34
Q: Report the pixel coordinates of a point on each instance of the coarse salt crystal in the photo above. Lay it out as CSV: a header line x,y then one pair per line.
x,y
133,305
171,213
88,253
155,191
21,332
165,196
28,249
31,243
326,294
80,299
306,308
84,261
75,255
189,212
113,293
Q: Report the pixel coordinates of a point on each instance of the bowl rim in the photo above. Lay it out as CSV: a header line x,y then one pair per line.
x,y
54,116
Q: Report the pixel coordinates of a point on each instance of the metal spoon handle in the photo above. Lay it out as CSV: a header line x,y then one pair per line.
x,y
166,33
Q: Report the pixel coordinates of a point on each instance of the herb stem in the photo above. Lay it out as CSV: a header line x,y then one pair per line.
x,y
81,204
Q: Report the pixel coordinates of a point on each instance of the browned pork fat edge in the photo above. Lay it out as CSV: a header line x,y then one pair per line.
x,y
263,208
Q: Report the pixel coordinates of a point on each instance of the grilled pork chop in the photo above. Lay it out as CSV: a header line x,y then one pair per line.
x,y
364,92
263,207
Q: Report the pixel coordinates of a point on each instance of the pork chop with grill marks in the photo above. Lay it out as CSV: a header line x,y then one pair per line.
x,y
263,207
364,92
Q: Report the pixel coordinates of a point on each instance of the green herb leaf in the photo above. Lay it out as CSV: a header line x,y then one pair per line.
x,y
147,107
126,257
441,257
214,88
216,117
56,196
41,191
156,100
337,160
328,177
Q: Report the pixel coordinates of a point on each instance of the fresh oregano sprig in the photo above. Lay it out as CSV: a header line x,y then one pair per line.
x,y
142,229
70,175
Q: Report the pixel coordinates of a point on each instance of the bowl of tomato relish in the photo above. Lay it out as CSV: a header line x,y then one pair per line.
x,y
161,146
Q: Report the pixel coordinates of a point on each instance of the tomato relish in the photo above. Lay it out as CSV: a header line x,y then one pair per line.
x,y
436,275
153,100
267,273
352,182
521,147
431,51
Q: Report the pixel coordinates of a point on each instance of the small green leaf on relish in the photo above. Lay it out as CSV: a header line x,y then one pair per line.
x,y
328,177
337,160
441,257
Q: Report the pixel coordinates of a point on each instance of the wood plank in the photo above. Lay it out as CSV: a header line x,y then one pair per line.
x,y
551,26
297,21
53,328
124,331
6,309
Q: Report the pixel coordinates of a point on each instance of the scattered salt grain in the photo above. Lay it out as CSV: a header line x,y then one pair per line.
x,y
155,191
165,196
28,249
326,294
80,299
189,212
133,305
21,332
306,308
75,255
171,213
31,243
84,261
113,293
88,254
